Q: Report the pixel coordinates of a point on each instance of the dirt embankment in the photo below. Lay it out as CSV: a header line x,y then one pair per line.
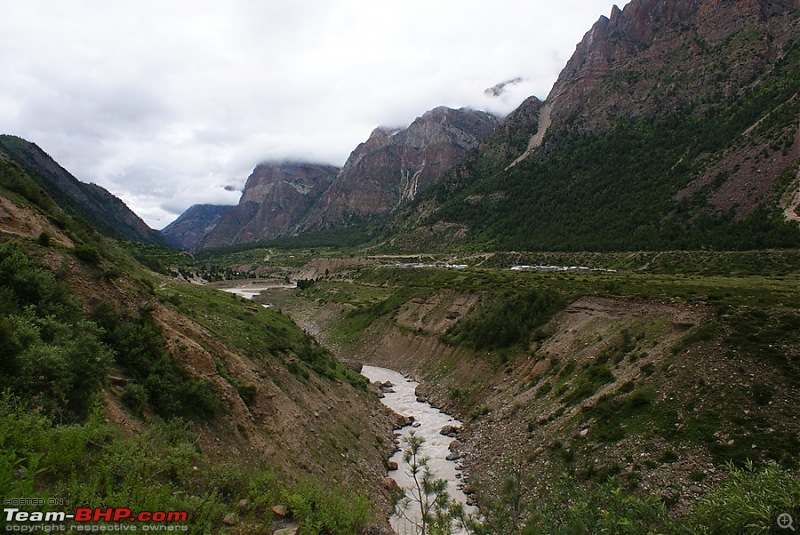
x,y
520,410
542,403
19,221
655,393
298,425
322,267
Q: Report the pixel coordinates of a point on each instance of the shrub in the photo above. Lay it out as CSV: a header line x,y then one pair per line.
x,y
605,508
478,412
51,355
87,254
588,381
505,321
134,397
749,501
322,511
44,238
140,349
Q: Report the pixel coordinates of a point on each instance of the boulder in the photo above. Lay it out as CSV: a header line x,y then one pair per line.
x,y
449,431
390,484
353,365
280,511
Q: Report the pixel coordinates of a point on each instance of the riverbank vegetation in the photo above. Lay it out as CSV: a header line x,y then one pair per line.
x,y
100,406
659,403
93,464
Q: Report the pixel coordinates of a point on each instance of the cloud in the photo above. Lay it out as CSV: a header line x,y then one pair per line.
x,y
165,103
498,90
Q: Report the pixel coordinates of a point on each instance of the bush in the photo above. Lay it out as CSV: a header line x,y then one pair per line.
x,y
320,511
87,254
51,356
134,397
505,321
44,239
749,501
93,465
140,349
588,381
605,508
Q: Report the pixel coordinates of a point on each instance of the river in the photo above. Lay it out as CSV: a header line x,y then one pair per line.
x,y
254,289
429,420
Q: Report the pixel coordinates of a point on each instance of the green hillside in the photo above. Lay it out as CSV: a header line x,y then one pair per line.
x,y
627,186
120,387
88,202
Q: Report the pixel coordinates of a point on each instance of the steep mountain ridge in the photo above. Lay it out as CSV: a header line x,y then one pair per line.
x,y
395,165
104,211
193,225
276,196
387,171
653,58
674,125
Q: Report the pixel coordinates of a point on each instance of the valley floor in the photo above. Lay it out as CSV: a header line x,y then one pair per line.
x,y
651,379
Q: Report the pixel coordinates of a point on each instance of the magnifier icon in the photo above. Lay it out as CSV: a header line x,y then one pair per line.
x,y
785,521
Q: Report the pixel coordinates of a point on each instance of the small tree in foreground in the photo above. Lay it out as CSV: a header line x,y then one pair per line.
x,y
427,505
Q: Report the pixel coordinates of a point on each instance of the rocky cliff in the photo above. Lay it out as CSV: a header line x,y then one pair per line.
x,y
654,58
275,198
394,165
673,125
193,225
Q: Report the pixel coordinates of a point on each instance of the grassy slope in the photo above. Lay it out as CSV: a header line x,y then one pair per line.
x,y
197,400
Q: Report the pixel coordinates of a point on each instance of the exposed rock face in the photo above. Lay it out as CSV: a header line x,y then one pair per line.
x,y
193,225
652,58
714,81
275,198
655,58
394,165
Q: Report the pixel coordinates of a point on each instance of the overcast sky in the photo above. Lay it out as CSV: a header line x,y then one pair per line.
x,y
165,102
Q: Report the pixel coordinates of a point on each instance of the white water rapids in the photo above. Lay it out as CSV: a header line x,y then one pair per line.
x,y
428,421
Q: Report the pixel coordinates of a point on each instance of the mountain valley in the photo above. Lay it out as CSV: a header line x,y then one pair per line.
x,y
601,285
